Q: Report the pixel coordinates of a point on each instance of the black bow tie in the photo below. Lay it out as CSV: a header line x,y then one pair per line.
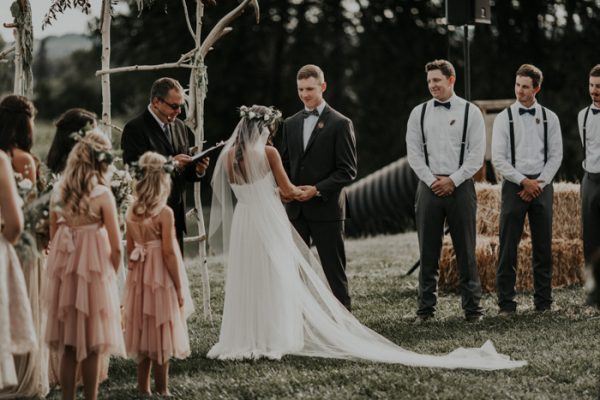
x,y
439,103
595,110
526,111
307,114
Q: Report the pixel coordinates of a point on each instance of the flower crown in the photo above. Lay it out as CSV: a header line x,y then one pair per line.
x,y
100,155
139,172
270,116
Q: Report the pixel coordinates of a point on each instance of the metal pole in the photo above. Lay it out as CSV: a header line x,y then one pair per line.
x,y
467,62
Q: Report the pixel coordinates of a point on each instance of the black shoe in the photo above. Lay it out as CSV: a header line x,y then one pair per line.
x,y
506,313
473,317
542,309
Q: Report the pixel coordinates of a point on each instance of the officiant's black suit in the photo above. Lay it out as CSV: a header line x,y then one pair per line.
x,y
329,163
142,134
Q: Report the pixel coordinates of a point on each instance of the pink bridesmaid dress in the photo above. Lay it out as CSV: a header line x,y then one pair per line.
x,y
155,325
82,291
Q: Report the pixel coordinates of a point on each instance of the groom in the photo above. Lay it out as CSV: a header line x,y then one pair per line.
x,y
318,150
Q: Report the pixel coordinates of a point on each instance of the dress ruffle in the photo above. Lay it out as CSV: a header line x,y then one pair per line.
x,y
17,332
82,293
155,325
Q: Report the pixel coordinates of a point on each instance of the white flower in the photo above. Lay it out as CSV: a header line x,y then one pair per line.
x,y
251,115
26,184
267,117
115,183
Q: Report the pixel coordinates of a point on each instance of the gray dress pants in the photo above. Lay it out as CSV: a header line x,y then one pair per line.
x,y
459,210
512,220
590,215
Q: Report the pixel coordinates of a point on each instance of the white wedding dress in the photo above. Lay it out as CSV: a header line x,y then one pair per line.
x,y
277,300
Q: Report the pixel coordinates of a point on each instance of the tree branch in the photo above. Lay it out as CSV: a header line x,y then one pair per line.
x,y
6,52
144,68
187,19
220,28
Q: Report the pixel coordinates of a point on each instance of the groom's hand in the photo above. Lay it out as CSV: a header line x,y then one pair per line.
x,y
308,192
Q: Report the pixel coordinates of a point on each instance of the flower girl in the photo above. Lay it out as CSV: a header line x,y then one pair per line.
x,y
157,300
83,317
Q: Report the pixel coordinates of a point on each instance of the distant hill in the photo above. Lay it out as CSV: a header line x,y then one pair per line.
x,y
58,47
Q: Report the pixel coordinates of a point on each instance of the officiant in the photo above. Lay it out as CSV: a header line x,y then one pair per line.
x,y
158,129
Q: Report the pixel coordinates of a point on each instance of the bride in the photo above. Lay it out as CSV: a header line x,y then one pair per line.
x,y
277,300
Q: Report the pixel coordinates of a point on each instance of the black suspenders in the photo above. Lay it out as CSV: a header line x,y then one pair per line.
x,y
423,133
464,136
511,129
584,134
463,140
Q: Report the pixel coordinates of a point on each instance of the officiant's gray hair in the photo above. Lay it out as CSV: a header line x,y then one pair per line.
x,y
162,86
311,71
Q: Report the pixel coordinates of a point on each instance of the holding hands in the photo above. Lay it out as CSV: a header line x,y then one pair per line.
x,y
299,193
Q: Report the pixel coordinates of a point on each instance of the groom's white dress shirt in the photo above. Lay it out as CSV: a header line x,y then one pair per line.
x,y
443,134
310,122
529,144
591,161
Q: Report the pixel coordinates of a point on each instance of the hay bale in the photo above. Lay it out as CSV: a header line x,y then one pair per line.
x,y
566,222
567,259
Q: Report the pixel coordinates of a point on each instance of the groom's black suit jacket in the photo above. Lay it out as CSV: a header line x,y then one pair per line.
x,y
142,134
328,162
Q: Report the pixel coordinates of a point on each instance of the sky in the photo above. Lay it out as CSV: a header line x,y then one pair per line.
x,y
72,21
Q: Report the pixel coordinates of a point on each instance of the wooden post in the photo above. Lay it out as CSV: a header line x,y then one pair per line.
x,y
106,101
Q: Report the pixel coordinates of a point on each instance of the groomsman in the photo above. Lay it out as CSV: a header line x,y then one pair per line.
x,y
527,152
589,130
445,141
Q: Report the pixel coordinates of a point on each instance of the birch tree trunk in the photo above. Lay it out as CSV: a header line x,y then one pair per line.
x,y
19,76
195,119
106,101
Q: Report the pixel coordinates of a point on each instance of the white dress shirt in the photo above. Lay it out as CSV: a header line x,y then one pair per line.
x,y
529,145
310,122
443,134
591,161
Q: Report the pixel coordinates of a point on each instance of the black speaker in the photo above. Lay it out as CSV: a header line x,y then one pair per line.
x,y
468,12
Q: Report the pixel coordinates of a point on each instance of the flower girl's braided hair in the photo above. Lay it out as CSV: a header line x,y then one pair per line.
x,y
152,184
255,117
86,165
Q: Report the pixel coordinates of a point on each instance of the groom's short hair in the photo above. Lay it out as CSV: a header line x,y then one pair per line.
x,y
595,71
162,86
311,71
445,67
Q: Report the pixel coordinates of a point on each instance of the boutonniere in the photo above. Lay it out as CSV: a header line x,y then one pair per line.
x,y
537,121
320,125
452,122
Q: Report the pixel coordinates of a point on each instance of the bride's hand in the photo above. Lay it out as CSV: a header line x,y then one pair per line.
x,y
179,298
283,197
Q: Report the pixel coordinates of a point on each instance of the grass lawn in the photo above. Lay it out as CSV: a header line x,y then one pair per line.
x,y
562,346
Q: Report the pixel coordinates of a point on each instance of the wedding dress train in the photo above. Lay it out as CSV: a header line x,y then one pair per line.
x,y
277,300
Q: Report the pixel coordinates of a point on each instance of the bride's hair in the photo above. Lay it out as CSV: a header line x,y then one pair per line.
x,y
152,185
86,166
252,123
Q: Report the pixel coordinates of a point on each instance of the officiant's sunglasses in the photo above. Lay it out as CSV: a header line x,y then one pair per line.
x,y
174,106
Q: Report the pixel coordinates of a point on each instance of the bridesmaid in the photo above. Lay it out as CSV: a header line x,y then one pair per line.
x,y
16,126
84,320
72,120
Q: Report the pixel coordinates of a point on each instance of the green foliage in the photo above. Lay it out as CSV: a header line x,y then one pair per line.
x,y
561,346
372,54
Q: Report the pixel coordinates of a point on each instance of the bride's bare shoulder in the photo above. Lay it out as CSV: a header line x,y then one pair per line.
x,y
271,152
